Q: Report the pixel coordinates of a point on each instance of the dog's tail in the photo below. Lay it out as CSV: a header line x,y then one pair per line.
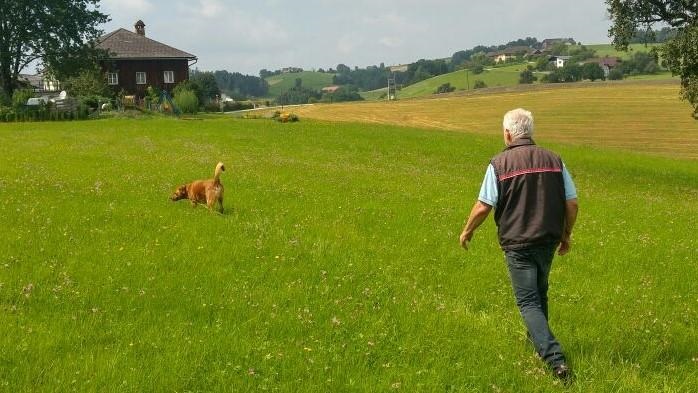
x,y
217,174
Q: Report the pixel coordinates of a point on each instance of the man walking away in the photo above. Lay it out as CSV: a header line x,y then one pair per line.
x,y
535,208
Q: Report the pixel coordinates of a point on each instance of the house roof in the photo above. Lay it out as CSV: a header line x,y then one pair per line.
x,y
555,40
124,44
33,80
330,89
511,51
607,61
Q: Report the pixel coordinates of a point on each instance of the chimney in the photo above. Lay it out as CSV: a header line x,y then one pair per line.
x,y
140,28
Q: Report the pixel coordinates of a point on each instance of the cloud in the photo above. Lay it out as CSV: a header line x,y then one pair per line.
x,y
390,42
210,8
127,9
220,25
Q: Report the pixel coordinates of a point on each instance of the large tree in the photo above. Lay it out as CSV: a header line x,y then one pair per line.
x,y
53,32
679,52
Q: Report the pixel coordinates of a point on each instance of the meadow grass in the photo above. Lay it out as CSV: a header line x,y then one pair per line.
x,y
493,77
603,50
643,116
311,80
334,268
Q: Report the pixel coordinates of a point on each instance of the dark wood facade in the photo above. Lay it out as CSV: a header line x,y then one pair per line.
x,y
154,70
131,54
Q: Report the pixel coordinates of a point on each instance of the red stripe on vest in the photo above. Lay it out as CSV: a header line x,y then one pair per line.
x,y
527,171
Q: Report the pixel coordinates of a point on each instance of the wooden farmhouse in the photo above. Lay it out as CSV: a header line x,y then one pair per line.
x,y
135,62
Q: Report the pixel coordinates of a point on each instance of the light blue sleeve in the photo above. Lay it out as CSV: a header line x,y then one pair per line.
x,y
570,189
488,190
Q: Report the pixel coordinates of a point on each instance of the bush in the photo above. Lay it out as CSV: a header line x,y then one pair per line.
x,y
186,101
187,85
479,84
4,98
237,106
90,82
93,102
477,69
592,71
527,77
212,106
615,75
20,97
285,117
445,88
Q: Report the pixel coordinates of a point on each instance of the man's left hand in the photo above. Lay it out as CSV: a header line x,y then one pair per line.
x,y
565,246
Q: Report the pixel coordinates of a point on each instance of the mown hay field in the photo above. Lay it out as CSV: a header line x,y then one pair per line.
x,y
336,265
637,116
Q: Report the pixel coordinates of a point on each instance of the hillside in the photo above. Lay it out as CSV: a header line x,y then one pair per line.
x,y
603,50
581,113
493,77
506,75
311,80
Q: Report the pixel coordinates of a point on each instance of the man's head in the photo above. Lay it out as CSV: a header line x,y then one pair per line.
x,y
518,123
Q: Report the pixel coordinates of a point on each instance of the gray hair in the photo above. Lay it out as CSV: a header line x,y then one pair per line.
x,y
519,122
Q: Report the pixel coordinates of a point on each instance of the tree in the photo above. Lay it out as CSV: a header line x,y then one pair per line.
x,y
479,84
615,74
343,69
48,31
641,63
445,88
592,71
680,51
241,86
207,85
344,93
526,77
89,82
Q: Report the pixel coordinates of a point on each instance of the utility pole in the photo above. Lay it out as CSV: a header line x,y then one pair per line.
x,y
467,79
392,87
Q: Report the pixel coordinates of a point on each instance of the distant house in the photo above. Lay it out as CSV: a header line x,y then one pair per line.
x,y
548,43
399,68
607,63
330,89
41,83
510,53
291,70
135,62
559,61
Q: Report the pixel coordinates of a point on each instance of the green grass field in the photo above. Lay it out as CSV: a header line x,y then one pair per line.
x,y
335,267
493,77
504,76
603,50
312,80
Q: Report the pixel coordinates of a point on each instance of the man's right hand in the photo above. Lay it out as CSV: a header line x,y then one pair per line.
x,y
464,239
565,246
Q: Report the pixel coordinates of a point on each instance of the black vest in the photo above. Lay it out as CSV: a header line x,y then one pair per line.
x,y
530,209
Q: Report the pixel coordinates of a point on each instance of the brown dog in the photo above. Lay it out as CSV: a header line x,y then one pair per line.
x,y
203,191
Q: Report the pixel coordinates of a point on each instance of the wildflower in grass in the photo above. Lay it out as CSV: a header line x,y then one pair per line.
x,y
27,290
336,321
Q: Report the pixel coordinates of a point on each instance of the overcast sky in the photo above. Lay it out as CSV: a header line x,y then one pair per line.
x,y
246,36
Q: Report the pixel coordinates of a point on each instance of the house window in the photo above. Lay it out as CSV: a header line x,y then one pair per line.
x,y
140,78
113,78
169,76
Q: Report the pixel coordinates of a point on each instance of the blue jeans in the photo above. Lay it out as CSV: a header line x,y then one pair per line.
x,y
529,269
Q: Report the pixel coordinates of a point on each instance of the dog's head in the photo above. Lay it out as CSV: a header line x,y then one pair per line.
x,y
180,193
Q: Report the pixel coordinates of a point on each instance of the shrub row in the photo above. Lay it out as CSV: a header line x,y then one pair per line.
x,y
42,114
